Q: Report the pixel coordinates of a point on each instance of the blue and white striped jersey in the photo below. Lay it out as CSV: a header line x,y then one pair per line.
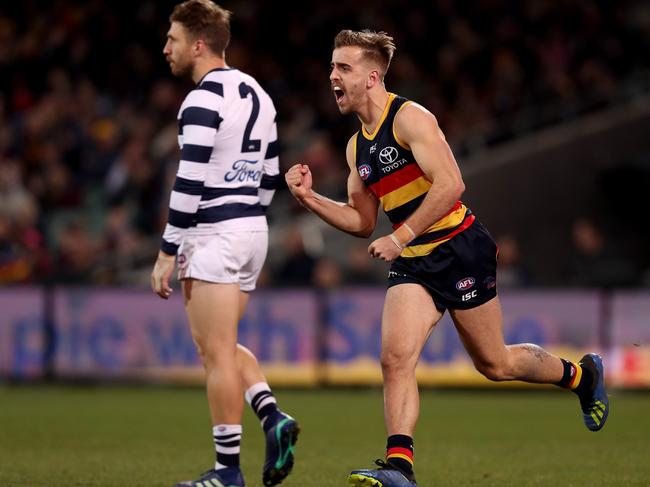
x,y
228,170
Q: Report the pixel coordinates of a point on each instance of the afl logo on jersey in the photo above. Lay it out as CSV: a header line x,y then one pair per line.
x,y
364,171
465,283
388,155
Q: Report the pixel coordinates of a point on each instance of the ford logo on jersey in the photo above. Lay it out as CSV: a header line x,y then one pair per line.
x,y
241,172
388,155
465,283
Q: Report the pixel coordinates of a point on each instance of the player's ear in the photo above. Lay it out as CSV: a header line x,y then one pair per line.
x,y
373,78
197,47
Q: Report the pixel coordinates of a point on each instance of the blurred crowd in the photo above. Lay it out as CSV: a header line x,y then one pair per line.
x,y
88,120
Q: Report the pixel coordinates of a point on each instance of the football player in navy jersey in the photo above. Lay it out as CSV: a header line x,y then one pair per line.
x,y
441,257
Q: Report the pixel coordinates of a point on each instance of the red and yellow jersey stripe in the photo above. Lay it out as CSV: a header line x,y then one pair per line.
x,y
402,192
389,169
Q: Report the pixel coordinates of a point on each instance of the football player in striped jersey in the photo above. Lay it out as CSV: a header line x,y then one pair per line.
x,y
217,232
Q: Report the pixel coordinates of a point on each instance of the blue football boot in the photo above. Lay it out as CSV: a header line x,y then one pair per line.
x,y
224,477
280,443
386,475
594,403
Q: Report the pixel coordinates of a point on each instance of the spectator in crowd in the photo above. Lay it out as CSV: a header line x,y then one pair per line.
x,y
22,255
511,273
77,254
14,263
594,260
360,270
327,274
298,266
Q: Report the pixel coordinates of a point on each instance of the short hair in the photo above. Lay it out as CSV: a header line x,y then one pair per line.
x,y
376,46
205,20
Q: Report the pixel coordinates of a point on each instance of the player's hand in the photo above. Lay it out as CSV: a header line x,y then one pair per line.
x,y
299,180
161,273
384,248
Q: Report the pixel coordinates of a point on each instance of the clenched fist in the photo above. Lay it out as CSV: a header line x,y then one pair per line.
x,y
299,181
385,248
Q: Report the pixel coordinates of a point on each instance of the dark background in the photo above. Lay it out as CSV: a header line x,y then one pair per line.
x,y
544,103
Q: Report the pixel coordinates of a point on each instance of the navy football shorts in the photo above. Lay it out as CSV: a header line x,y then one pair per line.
x,y
459,274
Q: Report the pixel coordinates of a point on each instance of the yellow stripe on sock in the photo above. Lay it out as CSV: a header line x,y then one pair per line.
x,y
576,378
400,455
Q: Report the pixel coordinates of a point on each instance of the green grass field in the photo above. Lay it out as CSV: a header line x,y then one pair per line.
x,y
132,437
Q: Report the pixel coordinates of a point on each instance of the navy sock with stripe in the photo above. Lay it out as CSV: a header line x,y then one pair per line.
x,y
399,452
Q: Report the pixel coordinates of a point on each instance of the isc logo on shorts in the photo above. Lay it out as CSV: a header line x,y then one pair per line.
x,y
465,283
470,295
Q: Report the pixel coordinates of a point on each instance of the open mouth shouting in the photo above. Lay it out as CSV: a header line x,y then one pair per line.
x,y
339,94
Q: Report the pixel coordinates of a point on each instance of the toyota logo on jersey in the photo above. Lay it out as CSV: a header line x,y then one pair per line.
x,y
388,155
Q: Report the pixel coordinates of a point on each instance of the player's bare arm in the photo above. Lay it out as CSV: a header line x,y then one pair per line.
x,y
357,217
418,129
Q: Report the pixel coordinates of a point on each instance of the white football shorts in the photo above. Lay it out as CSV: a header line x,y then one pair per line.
x,y
225,258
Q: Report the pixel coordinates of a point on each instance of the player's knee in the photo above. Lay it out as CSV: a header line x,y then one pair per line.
x,y
493,370
204,355
395,361
211,355
200,350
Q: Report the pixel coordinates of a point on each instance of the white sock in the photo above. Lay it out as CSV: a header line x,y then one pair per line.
x,y
227,440
259,396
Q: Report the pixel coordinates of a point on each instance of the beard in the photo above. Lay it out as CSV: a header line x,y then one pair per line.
x,y
181,69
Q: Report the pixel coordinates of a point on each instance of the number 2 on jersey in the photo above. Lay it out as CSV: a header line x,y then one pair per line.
x,y
248,144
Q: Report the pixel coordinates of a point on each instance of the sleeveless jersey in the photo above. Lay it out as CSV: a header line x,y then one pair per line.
x,y
388,168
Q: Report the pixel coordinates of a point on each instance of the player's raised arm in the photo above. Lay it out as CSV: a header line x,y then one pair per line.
x,y
357,217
